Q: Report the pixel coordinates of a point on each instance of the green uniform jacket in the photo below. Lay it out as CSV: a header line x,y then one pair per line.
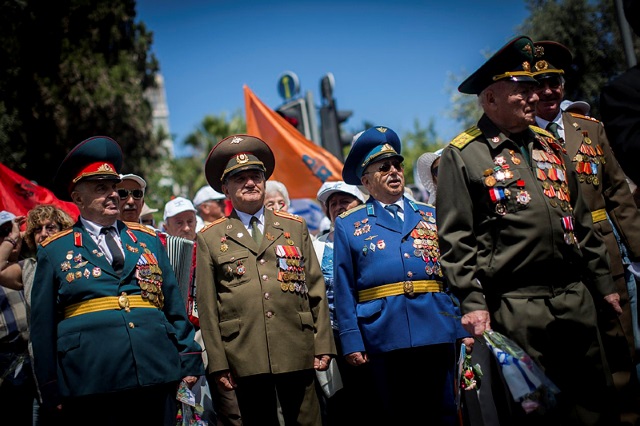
x,y
502,227
107,350
262,309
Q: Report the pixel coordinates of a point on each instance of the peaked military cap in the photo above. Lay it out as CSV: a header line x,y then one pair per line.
x,y
237,153
96,158
512,62
372,145
550,59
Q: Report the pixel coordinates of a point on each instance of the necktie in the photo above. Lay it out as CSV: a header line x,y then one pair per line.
x,y
552,127
116,253
393,208
255,230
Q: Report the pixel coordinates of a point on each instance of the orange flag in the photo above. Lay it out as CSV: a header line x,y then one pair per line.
x,y
301,165
18,195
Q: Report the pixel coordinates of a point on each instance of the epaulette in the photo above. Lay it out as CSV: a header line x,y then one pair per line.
x,y
541,131
140,227
215,222
56,236
287,215
586,117
465,137
355,209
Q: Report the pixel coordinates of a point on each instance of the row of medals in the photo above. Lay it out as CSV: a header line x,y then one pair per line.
x,y
79,263
425,244
291,275
150,281
588,158
500,173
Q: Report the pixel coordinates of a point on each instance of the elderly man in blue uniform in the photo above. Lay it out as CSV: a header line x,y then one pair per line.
x,y
392,304
261,296
111,338
518,244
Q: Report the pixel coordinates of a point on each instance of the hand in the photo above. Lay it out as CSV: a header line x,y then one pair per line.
x,y
190,380
357,358
476,322
321,362
468,343
17,222
226,380
614,300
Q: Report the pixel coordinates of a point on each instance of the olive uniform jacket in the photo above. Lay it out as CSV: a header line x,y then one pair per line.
x,y
606,191
262,309
509,219
85,339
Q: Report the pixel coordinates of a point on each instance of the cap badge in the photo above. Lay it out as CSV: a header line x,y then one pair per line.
x,y
236,140
381,129
539,51
527,48
526,66
242,158
106,167
542,65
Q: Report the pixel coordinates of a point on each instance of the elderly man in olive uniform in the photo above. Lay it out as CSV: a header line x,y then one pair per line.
x,y
261,297
110,334
607,194
518,244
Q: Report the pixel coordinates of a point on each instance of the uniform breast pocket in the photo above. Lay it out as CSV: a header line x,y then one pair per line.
x,y
233,268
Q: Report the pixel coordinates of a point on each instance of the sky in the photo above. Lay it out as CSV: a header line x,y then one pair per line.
x,y
392,61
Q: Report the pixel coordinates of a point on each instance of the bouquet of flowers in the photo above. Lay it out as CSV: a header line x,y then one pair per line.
x,y
189,412
526,381
470,374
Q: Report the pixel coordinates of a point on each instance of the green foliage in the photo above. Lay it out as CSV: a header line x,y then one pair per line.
x,y
417,142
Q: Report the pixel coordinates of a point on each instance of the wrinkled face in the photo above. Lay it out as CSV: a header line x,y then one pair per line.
x,y
182,225
384,179
246,190
131,200
551,93
44,230
512,105
339,203
211,210
275,201
97,200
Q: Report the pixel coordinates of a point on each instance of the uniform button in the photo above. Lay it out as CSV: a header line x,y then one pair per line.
x,y
406,255
262,261
267,296
131,325
409,274
269,314
265,277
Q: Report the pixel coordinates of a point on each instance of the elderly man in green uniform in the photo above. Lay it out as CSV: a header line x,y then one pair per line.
x,y
261,296
517,241
607,194
110,334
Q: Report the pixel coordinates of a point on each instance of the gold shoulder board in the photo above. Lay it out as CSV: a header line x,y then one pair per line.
x,y
56,236
585,117
465,137
215,222
541,131
287,215
355,209
140,227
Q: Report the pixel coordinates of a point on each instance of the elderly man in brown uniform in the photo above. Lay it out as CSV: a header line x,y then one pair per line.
x,y
609,198
517,241
261,295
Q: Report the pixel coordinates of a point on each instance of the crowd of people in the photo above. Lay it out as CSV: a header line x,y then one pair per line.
x,y
536,235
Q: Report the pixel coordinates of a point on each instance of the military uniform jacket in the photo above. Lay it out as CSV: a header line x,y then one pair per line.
x,y
262,309
370,250
510,219
109,350
604,186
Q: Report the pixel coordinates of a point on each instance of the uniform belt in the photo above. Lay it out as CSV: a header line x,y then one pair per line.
x,y
406,287
599,215
123,301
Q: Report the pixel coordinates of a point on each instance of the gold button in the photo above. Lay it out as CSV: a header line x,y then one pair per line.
x,y
409,274
265,277
262,261
408,288
267,296
406,255
269,314
131,325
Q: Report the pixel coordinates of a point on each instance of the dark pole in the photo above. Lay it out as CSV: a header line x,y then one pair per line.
x,y
625,34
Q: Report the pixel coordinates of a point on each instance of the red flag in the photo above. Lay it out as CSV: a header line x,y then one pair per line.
x,y
301,165
18,195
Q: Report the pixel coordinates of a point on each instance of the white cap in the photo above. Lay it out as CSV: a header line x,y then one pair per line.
x,y
207,193
575,106
329,188
135,178
146,210
423,168
176,206
6,216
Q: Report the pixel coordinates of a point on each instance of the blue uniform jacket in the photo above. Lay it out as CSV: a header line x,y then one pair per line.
x,y
109,350
370,251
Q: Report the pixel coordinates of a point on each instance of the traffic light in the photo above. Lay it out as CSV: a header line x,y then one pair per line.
x,y
333,139
296,113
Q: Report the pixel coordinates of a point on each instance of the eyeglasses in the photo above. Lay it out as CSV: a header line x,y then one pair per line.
x,y
385,167
51,228
135,193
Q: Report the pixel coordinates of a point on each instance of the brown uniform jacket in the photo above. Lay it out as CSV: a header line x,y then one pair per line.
x,y
262,309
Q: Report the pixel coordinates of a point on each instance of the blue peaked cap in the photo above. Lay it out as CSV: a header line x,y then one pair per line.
x,y
372,145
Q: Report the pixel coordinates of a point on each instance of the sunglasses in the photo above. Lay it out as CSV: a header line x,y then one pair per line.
x,y
385,167
135,193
